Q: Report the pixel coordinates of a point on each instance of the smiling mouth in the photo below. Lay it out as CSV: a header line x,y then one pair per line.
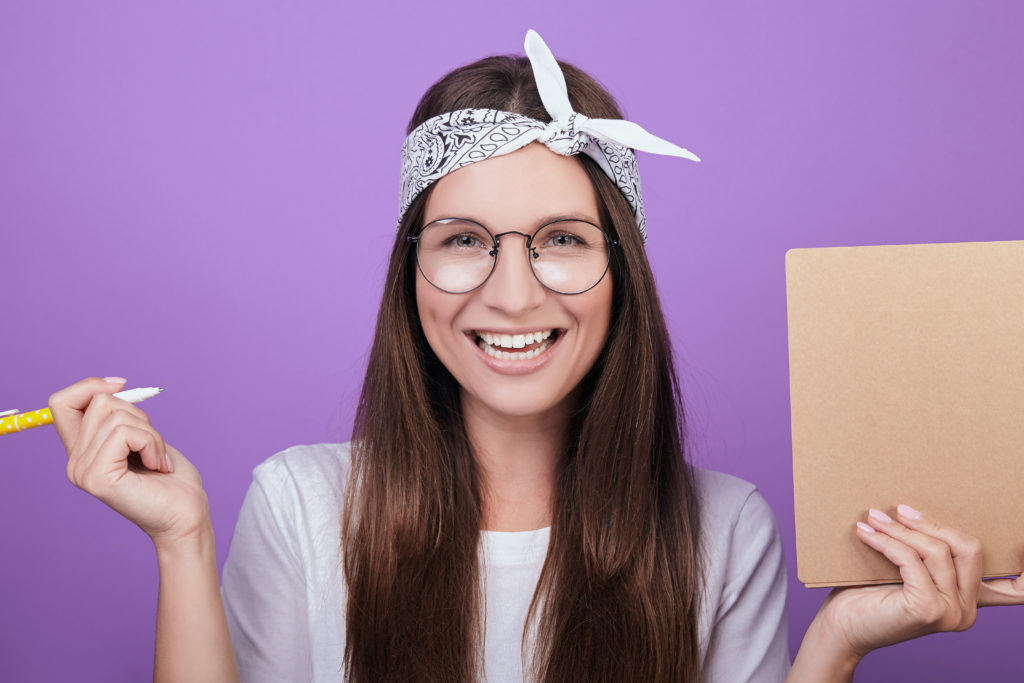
x,y
516,346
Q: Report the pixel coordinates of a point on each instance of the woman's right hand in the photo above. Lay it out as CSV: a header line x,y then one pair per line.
x,y
116,455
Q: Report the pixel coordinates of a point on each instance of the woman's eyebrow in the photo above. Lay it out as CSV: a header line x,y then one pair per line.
x,y
567,217
562,216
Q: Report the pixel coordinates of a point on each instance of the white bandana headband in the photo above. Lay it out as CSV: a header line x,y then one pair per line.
x,y
455,139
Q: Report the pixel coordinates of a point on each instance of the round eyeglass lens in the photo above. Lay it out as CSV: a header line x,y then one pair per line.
x,y
455,254
569,256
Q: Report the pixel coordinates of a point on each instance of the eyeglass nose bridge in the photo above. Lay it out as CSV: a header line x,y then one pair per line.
x,y
529,242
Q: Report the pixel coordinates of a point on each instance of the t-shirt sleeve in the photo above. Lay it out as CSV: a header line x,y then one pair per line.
x,y
264,586
749,636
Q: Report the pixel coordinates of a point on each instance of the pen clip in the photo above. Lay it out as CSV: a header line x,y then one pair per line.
x,y
9,412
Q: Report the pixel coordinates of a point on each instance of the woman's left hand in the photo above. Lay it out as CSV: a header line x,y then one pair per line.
x,y
941,572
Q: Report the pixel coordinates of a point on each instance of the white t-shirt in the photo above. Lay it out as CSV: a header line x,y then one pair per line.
x,y
283,591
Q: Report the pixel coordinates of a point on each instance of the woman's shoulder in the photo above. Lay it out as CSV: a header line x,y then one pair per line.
x,y
731,506
306,470
720,491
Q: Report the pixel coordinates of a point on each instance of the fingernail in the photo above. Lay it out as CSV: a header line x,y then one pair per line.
x,y
908,512
864,527
115,380
879,515
167,461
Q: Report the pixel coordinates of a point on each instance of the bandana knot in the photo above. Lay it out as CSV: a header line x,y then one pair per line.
x,y
564,135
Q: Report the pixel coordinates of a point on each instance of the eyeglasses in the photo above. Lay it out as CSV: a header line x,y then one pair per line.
x,y
457,255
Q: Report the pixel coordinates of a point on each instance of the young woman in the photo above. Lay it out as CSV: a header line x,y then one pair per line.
x,y
515,502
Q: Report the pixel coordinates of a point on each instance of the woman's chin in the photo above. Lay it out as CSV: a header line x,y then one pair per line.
x,y
514,404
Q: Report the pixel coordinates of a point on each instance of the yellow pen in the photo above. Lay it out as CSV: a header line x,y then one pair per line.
x,y
12,421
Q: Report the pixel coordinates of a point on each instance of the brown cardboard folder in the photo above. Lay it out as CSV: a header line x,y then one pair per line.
x,y
907,386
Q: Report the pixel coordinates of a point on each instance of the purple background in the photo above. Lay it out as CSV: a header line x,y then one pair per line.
x,y
201,196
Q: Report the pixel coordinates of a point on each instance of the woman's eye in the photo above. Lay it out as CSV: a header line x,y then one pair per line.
x,y
465,241
565,240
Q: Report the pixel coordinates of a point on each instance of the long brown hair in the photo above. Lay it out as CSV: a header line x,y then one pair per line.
x,y
618,595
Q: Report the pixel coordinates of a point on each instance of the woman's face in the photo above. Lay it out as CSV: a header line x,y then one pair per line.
x,y
518,191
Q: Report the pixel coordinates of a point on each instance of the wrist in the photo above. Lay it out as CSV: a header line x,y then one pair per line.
x,y
195,544
825,654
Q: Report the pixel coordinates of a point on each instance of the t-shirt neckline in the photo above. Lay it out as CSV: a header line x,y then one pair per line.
x,y
514,547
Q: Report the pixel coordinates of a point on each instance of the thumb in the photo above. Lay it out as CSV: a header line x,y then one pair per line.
x,y
1001,592
70,403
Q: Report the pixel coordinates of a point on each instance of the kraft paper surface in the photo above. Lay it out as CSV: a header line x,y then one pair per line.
x,y
907,386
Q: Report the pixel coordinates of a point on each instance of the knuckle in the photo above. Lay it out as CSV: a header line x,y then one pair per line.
x,y
936,549
951,622
908,555
125,433
967,619
88,480
972,546
72,473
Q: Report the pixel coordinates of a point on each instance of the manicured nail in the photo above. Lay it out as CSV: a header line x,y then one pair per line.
x,y
115,380
864,527
908,512
879,515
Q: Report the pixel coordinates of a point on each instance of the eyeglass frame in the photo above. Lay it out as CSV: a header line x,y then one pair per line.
x,y
496,248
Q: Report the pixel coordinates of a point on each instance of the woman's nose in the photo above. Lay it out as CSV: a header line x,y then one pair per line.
x,y
512,286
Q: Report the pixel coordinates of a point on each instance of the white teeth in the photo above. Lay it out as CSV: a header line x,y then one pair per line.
x,y
514,341
511,355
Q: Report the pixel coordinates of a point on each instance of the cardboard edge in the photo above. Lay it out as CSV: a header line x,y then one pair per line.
x,y
881,582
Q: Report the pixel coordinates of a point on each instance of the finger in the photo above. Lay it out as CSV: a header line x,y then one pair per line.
x,y
107,467
1001,592
965,549
99,455
69,404
169,453
99,410
935,554
110,422
917,580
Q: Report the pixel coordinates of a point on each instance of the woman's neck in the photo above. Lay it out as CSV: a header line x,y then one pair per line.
x,y
518,458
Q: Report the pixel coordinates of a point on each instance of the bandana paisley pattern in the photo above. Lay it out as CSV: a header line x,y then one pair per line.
x,y
455,139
